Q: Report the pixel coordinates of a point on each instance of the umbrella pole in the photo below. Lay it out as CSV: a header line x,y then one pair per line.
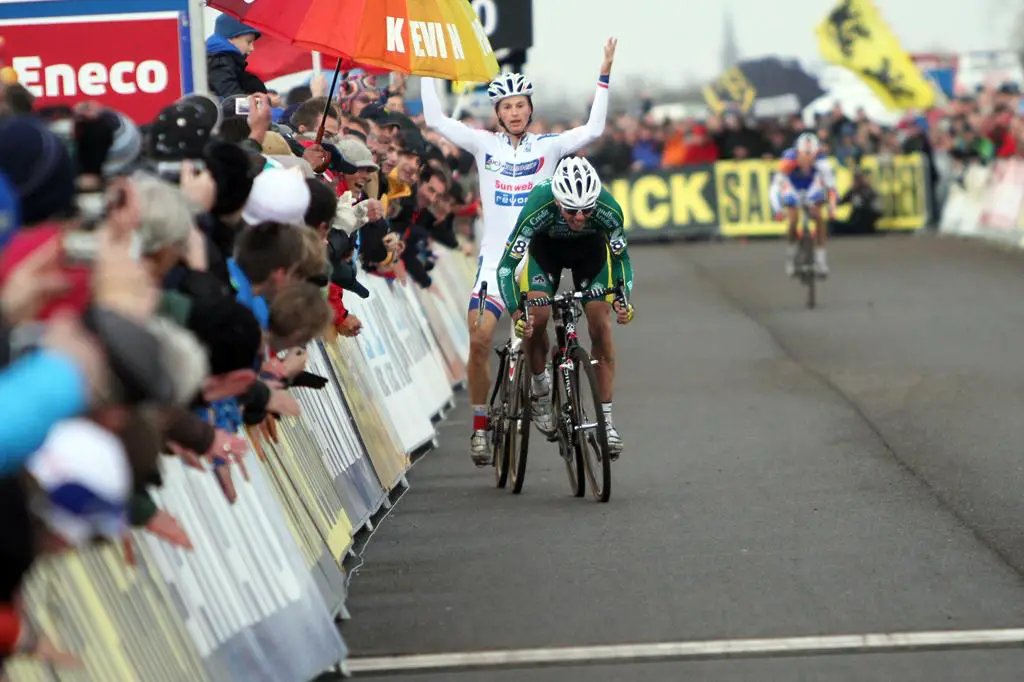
x,y
327,107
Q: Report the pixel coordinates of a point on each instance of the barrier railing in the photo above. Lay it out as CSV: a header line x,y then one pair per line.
x,y
987,202
257,597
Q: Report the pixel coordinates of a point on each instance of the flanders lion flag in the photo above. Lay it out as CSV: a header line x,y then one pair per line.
x,y
855,36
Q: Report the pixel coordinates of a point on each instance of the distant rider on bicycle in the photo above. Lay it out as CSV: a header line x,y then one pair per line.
x,y
569,222
804,178
510,162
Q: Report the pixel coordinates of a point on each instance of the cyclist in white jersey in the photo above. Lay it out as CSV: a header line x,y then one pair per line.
x,y
509,163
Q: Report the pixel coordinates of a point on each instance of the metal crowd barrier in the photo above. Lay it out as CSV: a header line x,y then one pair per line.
x,y
257,599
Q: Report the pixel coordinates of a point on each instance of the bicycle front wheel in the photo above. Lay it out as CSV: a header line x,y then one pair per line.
x,y
499,425
592,431
518,433
568,443
810,275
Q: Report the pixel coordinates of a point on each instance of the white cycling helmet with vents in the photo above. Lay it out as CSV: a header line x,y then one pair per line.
x,y
575,184
808,143
509,85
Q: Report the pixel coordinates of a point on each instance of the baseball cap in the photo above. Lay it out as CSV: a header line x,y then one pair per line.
x,y
278,196
355,154
209,111
85,476
180,131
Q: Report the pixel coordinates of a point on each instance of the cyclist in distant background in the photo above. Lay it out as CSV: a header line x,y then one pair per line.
x,y
509,163
804,177
569,222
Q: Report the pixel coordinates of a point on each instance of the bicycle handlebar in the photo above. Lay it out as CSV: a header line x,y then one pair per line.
x,y
563,300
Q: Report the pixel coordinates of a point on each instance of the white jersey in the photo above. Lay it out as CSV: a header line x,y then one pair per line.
x,y
507,173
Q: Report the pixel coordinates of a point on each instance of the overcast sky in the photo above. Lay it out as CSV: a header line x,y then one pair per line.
x,y
666,40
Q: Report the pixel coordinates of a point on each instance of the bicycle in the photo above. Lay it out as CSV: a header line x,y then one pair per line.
x,y
582,443
508,409
803,264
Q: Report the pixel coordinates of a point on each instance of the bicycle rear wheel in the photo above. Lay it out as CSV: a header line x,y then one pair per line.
x,y
809,275
498,414
518,433
593,431
568,443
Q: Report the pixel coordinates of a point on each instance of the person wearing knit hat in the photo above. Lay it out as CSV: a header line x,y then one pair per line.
x,y
226,58
37,164
278,196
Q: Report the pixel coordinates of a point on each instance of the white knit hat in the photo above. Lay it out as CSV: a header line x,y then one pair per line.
x,y
278,196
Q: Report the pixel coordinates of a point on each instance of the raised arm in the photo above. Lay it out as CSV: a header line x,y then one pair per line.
x,y
571,141
457,132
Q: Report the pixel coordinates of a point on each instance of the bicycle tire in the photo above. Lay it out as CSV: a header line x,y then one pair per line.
x,y
518,433
593,443
568,444
499,443
810,276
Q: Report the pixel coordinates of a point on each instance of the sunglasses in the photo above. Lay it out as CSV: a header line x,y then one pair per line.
x,y
579,213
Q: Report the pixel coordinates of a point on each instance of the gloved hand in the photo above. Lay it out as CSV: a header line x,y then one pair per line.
x,y
623,314
523,328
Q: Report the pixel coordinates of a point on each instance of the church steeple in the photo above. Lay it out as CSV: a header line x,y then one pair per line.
x,y
730,50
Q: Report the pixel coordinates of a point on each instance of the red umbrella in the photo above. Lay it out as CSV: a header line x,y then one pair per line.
x,y
274,57
440,38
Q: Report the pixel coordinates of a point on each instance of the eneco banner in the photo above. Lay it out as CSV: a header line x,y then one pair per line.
x,y
130,55
730,198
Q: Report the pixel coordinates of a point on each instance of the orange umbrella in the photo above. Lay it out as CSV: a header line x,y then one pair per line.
x,y
440,38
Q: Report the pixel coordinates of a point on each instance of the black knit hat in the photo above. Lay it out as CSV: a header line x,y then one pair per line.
x,y
229,164
37,164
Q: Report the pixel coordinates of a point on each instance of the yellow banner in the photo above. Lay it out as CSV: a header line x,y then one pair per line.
x,y
854,35
730,198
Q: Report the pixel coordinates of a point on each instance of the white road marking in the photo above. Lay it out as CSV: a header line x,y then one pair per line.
x,y
721,648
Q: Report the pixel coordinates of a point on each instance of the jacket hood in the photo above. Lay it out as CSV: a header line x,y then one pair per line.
x,y
216,44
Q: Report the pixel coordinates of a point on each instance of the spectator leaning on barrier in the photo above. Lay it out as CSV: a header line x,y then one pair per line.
x,y
226,52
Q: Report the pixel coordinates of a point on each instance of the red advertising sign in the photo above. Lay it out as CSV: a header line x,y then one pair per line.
x,y
129,62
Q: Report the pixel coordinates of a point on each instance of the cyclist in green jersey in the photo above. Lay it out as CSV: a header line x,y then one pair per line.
x,y
568,222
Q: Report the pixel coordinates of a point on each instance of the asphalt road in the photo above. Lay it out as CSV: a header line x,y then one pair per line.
x,y
847,470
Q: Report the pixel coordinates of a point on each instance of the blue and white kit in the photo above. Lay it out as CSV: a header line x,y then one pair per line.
x,y
507,173
792,185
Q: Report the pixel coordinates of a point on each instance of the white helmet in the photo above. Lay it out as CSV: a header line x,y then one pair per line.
x,y
575,184
808,143
509,85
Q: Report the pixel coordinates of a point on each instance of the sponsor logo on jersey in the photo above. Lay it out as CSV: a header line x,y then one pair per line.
x,y
509,199
539,279
512,170
617,245
504,272
513,186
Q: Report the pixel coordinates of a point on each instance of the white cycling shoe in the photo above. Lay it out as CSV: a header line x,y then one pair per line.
x,y
820,265
790,268
479,448
540,413
614,442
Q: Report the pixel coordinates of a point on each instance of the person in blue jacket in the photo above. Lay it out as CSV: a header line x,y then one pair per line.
x,y
227,51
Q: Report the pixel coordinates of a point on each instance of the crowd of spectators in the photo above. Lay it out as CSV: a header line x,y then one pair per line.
x,y
160,280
